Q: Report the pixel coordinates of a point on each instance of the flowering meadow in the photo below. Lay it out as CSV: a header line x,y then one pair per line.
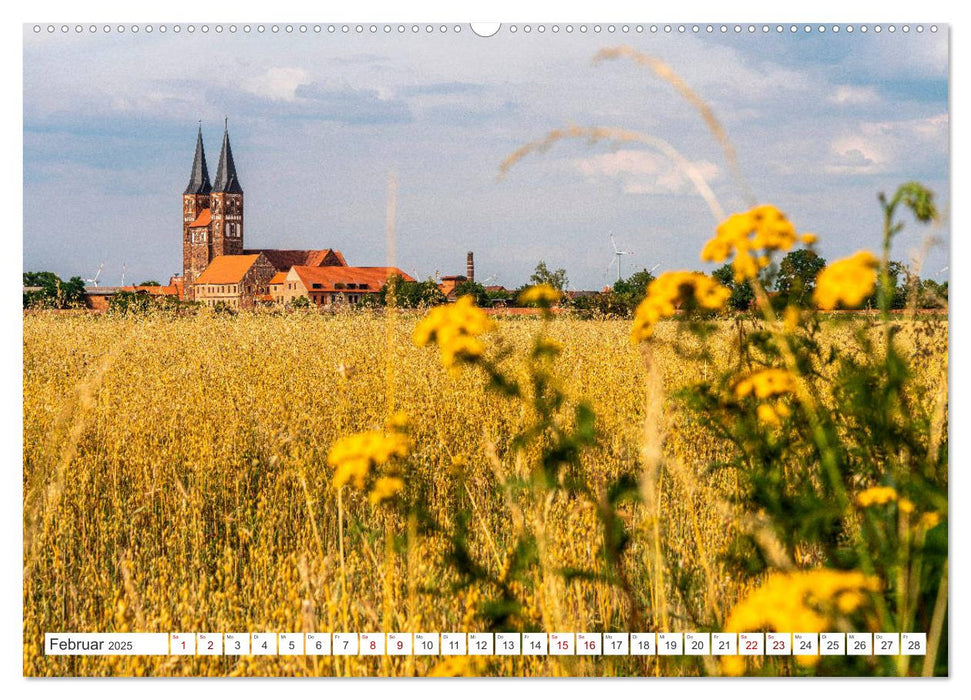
x,y
437,471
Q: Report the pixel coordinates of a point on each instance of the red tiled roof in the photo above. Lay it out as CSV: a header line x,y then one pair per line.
x,y
283,260
227,269
279,278
203,220
329,276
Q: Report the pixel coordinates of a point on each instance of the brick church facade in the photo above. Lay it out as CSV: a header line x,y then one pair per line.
x,y
218,269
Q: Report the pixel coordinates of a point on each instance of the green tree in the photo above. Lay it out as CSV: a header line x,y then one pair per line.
x,y
543,275
743,295
474,290
72,293
300,303
410,295
931,294
634,287
796,279
149,283
53,293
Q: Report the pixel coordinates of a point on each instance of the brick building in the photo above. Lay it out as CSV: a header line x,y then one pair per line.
x,y
237,281
332,286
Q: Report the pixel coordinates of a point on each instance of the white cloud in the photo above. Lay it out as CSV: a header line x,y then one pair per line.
x,y
853,95
643,172
277,83
889,146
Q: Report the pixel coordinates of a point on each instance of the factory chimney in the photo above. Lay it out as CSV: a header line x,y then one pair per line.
x,y
469,267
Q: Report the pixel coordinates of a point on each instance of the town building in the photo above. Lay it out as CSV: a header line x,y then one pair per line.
x,y
218,269
235,281
449,283
329,287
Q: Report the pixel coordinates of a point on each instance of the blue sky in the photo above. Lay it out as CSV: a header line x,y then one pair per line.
x,y
821,124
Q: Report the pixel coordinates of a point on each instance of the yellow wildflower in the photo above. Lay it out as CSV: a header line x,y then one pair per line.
x,y
668,291
732,665
905,505
354,456
848,281
928,521
849,601
750,236
876,496
765,383
801,601
385,488
455,329
772,414
809,238
542,294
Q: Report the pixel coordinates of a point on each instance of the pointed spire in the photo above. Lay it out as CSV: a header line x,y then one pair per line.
x,y
199,179
226,179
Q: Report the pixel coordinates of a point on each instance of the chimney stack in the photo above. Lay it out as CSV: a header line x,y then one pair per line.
x,y
469,267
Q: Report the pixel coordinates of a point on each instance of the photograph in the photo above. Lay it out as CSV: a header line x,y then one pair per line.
x,y
512,350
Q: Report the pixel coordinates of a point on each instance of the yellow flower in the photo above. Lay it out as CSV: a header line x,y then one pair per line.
x,y
800,601
849,601
385,488
750,236
732,665
455,329
668,291
542,294
928,521
809,238
354,456
876,496
905,505
765,383
772,414
848,281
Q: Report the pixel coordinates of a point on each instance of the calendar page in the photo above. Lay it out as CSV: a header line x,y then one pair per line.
x,y
536,349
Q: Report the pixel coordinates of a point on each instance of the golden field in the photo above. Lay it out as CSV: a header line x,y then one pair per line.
x,y
176,479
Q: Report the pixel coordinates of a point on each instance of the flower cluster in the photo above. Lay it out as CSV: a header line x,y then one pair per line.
x,y
801,601
357,459
876,496
541,294
750,236
765,383
848,281
455,329
668,291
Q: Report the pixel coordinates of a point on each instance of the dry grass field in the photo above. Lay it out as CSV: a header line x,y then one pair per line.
x,y
176,479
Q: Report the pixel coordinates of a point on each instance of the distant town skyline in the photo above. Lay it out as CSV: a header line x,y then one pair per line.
x,y
821,124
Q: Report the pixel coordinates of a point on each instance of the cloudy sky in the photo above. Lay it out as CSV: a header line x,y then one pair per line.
x,y
821,124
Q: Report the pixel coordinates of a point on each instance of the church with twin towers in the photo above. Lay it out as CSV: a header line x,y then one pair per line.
x,y
217,268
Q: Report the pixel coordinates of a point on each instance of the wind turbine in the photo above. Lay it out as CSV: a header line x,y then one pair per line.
x,y
618,254
124,269
94,282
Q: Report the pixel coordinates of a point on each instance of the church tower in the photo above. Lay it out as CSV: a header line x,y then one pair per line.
x,y
226,202
196,252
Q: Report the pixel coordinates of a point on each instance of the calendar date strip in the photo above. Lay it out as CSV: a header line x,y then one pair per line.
x,y
485,644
